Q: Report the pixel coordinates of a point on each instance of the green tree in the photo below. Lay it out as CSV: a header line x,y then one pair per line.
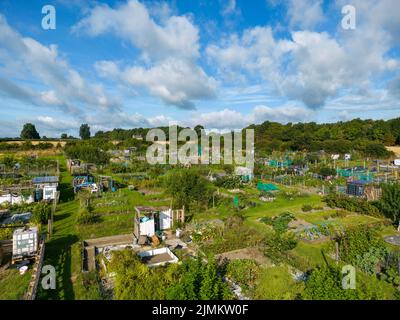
x,y
41,213
198,129
64,136
84,131
188,187
29,132
376,149
92,151
136,281
390,202
325,283
326,172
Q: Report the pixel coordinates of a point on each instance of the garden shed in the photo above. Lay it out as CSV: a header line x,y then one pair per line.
x,y
246,174
356,188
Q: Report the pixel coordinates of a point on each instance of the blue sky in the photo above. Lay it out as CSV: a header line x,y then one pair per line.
x,y
224,64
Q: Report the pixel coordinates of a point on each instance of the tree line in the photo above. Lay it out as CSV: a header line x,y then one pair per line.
x,y
366,136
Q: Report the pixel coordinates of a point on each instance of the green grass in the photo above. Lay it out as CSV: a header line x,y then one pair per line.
x,y
13,285
63,249
276,283
351,220
311,253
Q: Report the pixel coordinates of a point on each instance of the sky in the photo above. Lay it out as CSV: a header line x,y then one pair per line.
x,y
224,64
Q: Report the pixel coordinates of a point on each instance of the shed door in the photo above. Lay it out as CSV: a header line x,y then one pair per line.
x,y
165,220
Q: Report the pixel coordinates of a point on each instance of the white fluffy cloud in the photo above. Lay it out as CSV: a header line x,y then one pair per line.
x,y
178,37
169,49
175,81
223,120
394,87
232,119
23,58
305,14
315,66
255,51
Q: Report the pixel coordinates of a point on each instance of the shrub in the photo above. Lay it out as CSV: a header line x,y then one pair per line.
x,y
279,223
85,216
198,281
278,244
41,213
362,247
324,283
352,204
244,272
307,208
342,213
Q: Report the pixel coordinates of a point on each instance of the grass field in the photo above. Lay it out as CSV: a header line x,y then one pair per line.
x,y
13,285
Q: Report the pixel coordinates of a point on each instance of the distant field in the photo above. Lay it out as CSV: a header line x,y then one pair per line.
x,y
36,142
395,149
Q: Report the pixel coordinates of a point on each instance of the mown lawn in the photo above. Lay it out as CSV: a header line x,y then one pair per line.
x,y
13,285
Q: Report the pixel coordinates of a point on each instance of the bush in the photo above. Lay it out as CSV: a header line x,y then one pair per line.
x,y
307,208
198,281
326,172
363,248
341,213
85,216
229,182
244,272
279,223
325,283
6,233
41,213
352,204
89,151
278,244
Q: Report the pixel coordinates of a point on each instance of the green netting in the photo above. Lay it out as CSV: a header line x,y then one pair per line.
x,y
266,187
358,175
280,164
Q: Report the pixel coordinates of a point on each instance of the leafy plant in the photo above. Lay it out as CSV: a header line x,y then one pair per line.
x,y
279,223
199,281
351,204
307,208
41,213
244,272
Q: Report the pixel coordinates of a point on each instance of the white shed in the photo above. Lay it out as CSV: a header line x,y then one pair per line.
x,y
165,217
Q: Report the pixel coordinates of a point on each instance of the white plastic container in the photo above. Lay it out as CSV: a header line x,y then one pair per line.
x,y
25,242
49,193
23,269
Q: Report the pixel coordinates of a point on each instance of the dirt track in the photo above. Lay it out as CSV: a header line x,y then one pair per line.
x,y
395,149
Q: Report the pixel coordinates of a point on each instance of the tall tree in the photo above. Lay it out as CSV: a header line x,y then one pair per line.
x,y
198,129
84,131
29,132
390,202
188,187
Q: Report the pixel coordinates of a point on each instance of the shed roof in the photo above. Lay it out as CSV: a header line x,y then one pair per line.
x,y
359,182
